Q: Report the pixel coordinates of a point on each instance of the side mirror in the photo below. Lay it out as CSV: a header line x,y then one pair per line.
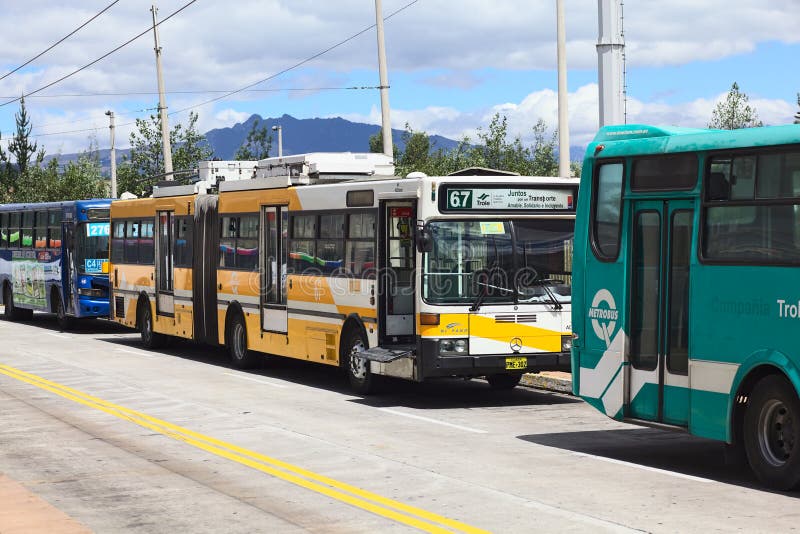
x,y
424,239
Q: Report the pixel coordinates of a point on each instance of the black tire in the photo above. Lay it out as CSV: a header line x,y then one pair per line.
x,y
772,433
503,381
241,357
362,381
8,304
65,322
150,339
10,311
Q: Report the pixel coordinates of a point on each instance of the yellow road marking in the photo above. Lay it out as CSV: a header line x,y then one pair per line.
x,y
371,502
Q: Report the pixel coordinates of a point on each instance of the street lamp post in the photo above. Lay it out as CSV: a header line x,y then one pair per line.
x,y
279,129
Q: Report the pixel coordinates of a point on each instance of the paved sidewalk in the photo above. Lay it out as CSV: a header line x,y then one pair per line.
x,y
22,512
550,380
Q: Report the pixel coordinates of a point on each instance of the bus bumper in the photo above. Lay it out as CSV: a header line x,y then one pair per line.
x,y
92,307
432,364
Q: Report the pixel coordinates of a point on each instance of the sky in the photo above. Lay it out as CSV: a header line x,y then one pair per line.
x,y
452,64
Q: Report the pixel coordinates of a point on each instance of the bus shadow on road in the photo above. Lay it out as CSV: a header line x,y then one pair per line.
x,y
436,394
445,393
674,452
48,321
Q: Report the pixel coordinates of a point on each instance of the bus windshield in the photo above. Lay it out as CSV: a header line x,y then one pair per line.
x,y
91,247
495,261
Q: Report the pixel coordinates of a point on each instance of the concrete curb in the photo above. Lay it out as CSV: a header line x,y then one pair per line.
x,y
550,381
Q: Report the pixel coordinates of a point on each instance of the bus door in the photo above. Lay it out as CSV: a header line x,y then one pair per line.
x,y
397,267
165,235
275,225
68,271
658,384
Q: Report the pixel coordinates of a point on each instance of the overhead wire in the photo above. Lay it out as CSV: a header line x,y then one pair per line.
x,y
126,43
73,32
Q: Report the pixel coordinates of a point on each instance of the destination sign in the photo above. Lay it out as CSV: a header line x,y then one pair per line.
x,y
508,199
98,229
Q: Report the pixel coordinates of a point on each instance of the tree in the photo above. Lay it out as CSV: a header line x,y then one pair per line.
x,y
417,153
21,146
257,146
376,145
144,167
734,112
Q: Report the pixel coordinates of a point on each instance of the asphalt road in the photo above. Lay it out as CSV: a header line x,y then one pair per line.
x,y
122,439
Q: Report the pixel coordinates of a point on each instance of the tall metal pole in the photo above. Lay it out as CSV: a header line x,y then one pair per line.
x,y
384,78
113,155
610,62
278,128
162,103
563,115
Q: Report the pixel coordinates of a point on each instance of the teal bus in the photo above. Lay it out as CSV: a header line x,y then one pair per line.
x,y
686,286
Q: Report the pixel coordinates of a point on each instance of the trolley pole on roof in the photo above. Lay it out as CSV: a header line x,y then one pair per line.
x,y
384,78
162,103
563,115
113,155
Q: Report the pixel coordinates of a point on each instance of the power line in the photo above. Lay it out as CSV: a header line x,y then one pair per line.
x,y
73,32
207,91
296,65
126,43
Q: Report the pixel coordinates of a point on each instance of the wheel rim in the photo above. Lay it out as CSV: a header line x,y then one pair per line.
x,y
358,364
776,433
238,341
146,332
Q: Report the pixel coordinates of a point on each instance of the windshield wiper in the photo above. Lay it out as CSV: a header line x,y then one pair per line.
x,y
549,292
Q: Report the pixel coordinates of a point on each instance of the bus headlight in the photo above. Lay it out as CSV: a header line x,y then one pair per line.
x,y
86,292
566,343
453,346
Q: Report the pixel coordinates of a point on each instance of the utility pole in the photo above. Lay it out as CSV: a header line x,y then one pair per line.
x,y
162,103
384,77
279,129
563,115
113,155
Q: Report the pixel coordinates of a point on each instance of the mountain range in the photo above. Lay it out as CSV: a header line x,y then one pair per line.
x,y
299,136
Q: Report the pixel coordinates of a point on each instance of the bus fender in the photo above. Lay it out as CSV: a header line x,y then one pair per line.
x,y
759,362
353,321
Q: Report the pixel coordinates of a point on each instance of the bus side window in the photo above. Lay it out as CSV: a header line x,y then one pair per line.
x,y
146,242
40,229
3,230
13,230
132,243
26,230
118,242
54,228
607,210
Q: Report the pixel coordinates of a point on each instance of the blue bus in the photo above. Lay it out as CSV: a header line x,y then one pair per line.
x,y
54,258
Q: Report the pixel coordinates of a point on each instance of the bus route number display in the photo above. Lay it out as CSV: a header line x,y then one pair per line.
x,y
514,198
102,229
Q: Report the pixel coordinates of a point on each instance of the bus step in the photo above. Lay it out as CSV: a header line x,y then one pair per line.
x,y
388,354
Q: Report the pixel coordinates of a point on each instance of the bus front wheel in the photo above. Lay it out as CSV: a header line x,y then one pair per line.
x,y
772,433
503,381
241,357
356,366
64,321
150,338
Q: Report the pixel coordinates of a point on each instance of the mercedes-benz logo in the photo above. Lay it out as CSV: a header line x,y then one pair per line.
x,y
516,344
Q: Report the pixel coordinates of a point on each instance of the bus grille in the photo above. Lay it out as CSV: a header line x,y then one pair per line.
x,y
515,318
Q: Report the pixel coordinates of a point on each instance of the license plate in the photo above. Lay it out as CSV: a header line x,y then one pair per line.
x,y
516,363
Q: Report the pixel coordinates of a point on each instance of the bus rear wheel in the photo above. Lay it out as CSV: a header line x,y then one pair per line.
x,y
10,311
772,433
150,339
241,357
503,381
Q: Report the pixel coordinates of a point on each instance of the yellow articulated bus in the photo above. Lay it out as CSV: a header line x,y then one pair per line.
x,y
333,259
